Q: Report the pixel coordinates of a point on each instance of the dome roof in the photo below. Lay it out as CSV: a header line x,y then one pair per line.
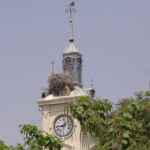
x,y
71,48
78,92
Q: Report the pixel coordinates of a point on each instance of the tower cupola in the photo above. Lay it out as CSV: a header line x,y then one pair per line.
x,y
72,63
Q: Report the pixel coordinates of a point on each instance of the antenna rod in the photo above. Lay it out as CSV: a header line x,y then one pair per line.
x,y
71,23
71,10
92,83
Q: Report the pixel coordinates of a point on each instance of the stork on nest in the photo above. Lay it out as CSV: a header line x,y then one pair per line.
x,y
60,85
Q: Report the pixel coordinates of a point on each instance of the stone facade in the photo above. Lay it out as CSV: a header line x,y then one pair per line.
x,y
51,108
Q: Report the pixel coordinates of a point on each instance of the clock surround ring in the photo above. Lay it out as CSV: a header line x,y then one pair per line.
x,y
70,132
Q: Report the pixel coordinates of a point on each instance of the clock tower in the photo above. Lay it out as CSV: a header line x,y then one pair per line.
x,y
63,89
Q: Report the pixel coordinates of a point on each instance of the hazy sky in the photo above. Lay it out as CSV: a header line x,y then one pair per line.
x,y
114,38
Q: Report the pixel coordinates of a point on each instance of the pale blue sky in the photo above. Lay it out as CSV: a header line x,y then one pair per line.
x,y
113,35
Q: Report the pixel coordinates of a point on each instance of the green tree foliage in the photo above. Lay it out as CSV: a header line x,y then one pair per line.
x,y
18,147
3,146
125,127
34,139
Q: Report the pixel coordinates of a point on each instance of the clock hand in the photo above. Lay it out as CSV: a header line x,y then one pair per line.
x,y
59,126
62,125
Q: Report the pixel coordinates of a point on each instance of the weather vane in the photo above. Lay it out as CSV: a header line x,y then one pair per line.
x,y
71,11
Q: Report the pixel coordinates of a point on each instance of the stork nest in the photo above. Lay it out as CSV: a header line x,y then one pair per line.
x,y
60,84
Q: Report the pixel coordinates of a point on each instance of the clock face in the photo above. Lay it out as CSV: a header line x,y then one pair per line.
x,y
63,126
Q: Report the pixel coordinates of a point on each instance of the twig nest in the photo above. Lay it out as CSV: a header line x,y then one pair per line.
x,y
60,84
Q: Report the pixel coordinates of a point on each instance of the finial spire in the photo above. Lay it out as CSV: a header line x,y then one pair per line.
x,y
70,11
